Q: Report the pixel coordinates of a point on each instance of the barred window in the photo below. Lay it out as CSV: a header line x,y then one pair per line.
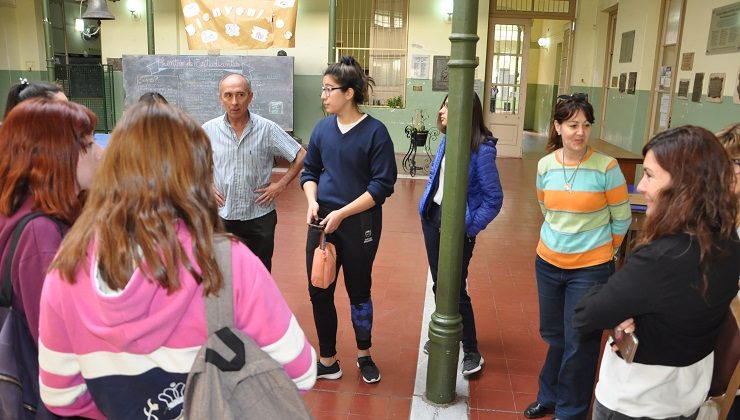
x,y
375,33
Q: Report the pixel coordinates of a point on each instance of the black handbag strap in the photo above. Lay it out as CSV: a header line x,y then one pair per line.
x,y
6,294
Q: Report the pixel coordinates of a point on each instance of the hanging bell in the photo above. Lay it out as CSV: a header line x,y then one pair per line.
x,y
97,9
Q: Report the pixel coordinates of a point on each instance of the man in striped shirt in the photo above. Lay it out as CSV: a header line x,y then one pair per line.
x,y
244,148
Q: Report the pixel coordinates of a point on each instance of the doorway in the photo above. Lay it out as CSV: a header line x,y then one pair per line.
x,y
505,88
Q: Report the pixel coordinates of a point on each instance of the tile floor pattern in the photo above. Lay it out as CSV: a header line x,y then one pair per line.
x,y
501,283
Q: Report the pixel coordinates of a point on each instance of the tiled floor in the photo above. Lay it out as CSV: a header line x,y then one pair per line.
x,y
502,286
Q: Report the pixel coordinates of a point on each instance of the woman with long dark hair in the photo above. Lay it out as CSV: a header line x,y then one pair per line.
x,y
483,202
349,171
675,289
583,197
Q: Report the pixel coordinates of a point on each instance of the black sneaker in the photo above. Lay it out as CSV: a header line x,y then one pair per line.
x,y
427,345
472,362
370,372
328,372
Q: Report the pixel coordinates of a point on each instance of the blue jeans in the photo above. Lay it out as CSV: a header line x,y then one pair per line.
x,y
566,380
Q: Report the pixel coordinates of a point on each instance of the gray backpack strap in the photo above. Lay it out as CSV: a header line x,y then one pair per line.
x,y
219,309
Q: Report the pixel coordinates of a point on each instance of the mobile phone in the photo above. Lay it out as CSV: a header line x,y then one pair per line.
x,y
315,223
626,344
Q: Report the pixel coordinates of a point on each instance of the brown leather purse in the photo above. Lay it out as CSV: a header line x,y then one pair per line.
x,y
324,267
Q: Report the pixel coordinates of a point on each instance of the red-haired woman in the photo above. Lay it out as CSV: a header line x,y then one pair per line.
x,y
48,157
675,289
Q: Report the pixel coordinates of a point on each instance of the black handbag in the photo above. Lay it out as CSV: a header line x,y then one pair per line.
x,y
19,366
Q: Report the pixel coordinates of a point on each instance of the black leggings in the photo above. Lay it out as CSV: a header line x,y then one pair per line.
x,y
356,242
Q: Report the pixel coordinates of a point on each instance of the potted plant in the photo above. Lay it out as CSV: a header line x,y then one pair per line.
x,y
417,131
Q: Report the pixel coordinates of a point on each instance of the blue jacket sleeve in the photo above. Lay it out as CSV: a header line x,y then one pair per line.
x,y
491,193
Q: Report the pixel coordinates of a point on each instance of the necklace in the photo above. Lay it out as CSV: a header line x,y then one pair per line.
x,y
568,186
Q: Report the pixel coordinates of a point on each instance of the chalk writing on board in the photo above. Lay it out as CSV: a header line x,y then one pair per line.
x,y
191,83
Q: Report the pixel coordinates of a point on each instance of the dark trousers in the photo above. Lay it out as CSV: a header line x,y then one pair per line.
x,y
356,242
602,413
257,234
566,380
430,226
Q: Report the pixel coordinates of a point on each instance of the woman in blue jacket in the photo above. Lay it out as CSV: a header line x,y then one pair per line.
x,y
484,201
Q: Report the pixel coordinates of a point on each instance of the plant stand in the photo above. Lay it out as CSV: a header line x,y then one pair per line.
x,y
417,139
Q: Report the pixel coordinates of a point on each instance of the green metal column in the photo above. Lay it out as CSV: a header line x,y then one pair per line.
x,y
150,26
50,73
445,329
332,56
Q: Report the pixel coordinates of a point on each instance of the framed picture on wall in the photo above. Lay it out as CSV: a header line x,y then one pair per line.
x,y
631,83
440,73
715,87
622,82
736,92
683,89
698,87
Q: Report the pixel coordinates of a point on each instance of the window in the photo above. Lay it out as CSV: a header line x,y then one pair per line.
x,y
375,33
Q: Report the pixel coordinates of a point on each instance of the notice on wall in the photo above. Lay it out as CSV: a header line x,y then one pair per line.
x,y
239,24
664,80
687,61
715,87
724,30
664,111
698,86
631,83
683,89
419,66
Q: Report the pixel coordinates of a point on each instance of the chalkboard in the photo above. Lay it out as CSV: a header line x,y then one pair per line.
x,y
190,82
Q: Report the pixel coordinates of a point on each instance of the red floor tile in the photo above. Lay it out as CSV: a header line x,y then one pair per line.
x,y
501,284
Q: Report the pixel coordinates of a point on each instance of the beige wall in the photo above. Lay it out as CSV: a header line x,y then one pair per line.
x,y
22,37
124,36
643,17
694,39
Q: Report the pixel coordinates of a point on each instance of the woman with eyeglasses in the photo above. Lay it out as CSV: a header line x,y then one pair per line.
x,y
483,203
675,289
583,197
349,171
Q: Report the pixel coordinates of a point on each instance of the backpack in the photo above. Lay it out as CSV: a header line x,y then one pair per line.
x,y
232,378
19,366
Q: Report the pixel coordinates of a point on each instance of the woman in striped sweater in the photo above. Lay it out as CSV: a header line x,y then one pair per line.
x,y
583,196
123,310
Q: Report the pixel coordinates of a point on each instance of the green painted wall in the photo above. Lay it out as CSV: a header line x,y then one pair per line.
x,y
710,115
10,77
626,119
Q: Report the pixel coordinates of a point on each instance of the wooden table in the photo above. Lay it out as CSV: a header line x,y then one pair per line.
x,y
627,160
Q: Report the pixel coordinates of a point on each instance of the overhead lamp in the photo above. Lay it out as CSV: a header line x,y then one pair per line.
x,y
447,6
543,42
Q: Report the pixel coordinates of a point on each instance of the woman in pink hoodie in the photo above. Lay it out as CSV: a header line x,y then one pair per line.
x,y
123,313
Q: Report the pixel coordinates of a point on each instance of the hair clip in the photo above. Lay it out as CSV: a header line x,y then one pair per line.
x,y
23,81
578,97
348,60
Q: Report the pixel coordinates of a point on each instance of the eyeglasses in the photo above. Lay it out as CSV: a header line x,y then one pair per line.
x,y
328,89
578,97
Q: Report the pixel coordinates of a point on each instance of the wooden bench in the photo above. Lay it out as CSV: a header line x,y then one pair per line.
x,y
627,160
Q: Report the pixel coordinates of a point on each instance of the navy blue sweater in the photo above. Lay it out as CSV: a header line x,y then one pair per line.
x,y
346,165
